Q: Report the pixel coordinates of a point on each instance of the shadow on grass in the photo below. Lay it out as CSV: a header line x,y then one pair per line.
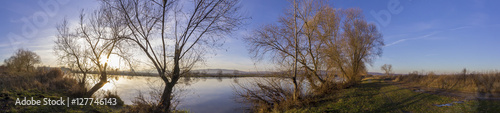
x,y
397,106
377,96
394,105
488,106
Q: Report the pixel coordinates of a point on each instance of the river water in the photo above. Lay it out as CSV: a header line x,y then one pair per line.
x,y
197,95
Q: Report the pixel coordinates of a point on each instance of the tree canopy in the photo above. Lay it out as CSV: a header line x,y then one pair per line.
x,y
22,61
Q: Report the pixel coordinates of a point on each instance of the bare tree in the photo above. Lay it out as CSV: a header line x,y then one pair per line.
x,y
89,46
293,40
164,28
22,61
71,53
387,68
351,43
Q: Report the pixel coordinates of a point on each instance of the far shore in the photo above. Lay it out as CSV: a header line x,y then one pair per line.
x,y
189,75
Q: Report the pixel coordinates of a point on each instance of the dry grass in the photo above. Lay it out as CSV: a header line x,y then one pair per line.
x,y
51,83
144,103
488,82
378,96
43,80
276,94
267,94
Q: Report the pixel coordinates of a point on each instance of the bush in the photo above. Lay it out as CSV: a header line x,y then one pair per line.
x,y
329,88
267,94
43,84
53,80
144,105
55,73
119,101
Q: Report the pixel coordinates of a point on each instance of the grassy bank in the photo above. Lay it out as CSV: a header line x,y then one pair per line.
x,y
54,84
42,84
376,95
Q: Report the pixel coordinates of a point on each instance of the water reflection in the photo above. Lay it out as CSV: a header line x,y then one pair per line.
x,y
197,94
107,87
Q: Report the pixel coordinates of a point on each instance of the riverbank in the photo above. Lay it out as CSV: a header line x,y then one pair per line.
x,y
44,86
377,95
216,91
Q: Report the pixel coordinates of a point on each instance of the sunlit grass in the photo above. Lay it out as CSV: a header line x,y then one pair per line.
x,y
488,82
375,95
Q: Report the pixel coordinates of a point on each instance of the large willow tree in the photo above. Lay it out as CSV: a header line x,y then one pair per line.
x,y
337,40
350,41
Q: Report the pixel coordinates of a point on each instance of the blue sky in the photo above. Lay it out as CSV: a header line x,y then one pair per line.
x,y
430,35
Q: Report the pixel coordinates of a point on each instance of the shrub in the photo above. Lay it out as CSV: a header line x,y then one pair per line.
x,y
144,105
119,101
55,73
273,94
53,80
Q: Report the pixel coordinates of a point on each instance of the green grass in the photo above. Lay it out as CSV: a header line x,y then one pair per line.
x,y
378,96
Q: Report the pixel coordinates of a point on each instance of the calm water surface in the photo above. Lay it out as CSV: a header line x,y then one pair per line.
x,y
198,95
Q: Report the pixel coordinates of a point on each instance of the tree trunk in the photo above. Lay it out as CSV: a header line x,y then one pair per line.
x,y
296,92
165,101
166,98
83,90
97,86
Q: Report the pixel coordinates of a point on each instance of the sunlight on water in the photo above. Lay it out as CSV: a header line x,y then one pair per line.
x,y
198,94
107,87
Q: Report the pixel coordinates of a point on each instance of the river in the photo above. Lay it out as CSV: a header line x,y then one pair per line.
x,y
197,95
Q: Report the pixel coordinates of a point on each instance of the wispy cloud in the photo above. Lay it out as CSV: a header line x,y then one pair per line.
x,y
425,36
416,38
